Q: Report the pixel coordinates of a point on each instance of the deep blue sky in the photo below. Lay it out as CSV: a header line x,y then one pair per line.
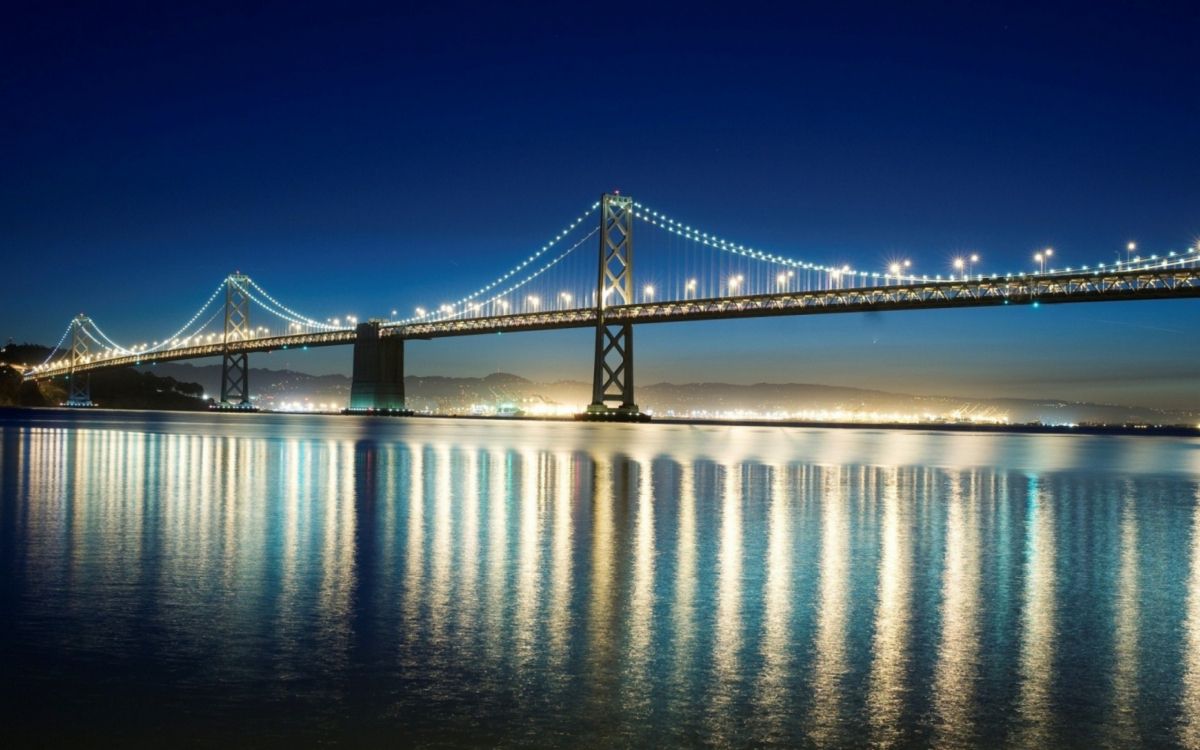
x,y
370,159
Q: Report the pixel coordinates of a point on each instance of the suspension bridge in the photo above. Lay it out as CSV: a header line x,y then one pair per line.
x,y
684,274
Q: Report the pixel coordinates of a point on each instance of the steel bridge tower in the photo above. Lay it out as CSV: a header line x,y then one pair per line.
x,y
80,390
235,367
612,376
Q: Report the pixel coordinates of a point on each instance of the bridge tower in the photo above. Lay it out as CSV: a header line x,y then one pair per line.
x,y
80,390
235,367
612,375
378,384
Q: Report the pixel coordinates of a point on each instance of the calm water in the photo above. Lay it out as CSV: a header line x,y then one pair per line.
x,y
270,579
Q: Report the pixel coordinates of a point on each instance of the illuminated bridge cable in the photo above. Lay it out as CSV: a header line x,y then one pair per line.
x,y
58,346
662,221
163,343
550,264
271,309
298,317
519,267
462,303
197,331
92,336
658,219
104,336
284,316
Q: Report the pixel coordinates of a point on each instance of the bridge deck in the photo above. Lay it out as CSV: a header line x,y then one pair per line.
x,y
1083,286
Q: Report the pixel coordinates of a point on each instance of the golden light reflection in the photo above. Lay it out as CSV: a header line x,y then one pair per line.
x,y
290,551
441,554
414,543
497,534
563,541
773,699
1037,622
890,647
528,588
830,663
338,548
958,652
386,501
684,610
467,599
641,604
1189,725
1125,673
602,607
727,636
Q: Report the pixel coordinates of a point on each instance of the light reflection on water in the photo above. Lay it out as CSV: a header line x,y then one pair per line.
x,y
306,578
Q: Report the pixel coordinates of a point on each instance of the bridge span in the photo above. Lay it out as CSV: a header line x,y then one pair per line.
x,y
614,308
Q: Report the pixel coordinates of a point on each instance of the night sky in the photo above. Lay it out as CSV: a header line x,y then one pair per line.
x,y
372,159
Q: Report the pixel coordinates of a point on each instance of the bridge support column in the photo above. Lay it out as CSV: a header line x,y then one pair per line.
x,y
612,374
378,383
235,364
79,392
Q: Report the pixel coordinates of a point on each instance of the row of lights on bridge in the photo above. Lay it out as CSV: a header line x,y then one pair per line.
x,y
899,270
964,269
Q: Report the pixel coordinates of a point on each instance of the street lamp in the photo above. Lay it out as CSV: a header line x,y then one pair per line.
x,y
1042,257
565,297
1132,246
958,265
691,287
533,301
648,292
971,265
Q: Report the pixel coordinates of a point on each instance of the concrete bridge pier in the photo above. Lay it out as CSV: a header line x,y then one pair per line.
x,y
378,383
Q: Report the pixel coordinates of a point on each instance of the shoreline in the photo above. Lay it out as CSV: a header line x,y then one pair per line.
x,y
1034,429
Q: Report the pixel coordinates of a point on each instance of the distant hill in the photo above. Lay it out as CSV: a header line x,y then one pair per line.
x,y
124,388
457,395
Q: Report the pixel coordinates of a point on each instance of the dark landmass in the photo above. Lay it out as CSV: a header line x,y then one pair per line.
x,y
123,388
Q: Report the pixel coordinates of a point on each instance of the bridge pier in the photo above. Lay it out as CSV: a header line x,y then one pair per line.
x,y
378,383
79,391
612,373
